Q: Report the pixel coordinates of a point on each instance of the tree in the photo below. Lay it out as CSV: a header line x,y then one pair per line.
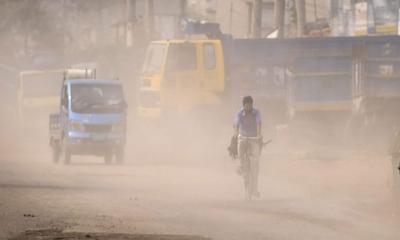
x,y
257,19
301,17
279,17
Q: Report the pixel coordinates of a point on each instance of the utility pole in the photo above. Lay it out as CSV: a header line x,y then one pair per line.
x,y
130,10
130,16
149,19
257,19
279,17
301,17
183,5
315,11
95,39
182,18
230,17
64,25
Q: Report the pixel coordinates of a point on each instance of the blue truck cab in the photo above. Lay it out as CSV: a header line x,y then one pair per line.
x,y
91,121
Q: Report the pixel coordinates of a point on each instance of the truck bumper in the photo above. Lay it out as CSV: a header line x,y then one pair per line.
x,y
94,144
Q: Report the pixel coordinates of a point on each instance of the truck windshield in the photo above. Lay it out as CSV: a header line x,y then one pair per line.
x,y
154,58
97,98
182,57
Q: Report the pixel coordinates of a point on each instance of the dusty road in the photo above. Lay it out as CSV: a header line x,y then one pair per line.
x,y
304,196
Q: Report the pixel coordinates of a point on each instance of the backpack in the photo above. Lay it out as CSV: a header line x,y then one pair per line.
x,y
233,148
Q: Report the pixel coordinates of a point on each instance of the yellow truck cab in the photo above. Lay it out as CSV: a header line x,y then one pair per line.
x,y
180,76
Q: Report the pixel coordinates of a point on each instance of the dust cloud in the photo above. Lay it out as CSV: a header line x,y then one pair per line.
x,y
320,178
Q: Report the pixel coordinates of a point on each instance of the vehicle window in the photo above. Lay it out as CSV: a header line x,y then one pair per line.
x,y
154,58
182,57
209,56
97,98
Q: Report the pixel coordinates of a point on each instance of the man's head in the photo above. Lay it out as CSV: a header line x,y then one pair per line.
x,y
247,103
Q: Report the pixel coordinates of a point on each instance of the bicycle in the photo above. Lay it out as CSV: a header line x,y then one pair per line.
x,y
249,164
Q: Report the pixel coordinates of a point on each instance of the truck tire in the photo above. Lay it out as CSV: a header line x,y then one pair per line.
x,y
56,152
119,156
108,157
66,153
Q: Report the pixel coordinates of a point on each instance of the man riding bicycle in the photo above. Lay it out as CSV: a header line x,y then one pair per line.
x,y
247,128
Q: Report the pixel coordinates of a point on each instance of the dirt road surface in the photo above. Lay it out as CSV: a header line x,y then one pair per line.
x,y
319,195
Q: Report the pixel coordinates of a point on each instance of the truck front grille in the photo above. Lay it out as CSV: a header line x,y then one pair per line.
x,y
98,128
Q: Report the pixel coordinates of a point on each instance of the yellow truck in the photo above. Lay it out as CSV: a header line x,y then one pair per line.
x,y
180,76
39,93
208,72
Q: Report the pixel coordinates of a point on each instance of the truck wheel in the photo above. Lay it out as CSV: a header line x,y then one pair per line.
x,y
56,152
66,152
108,157
119,156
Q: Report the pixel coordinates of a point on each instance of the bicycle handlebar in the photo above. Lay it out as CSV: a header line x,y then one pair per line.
x,y
254,138
249,138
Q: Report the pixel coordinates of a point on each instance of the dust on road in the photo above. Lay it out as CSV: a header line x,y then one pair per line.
x,y
304,196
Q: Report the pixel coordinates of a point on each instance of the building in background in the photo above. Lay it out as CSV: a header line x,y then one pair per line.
x,y
202,10
317,10
122,22
39,32
364,17
322,17
236,16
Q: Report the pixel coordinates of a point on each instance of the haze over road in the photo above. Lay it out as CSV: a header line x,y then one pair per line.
x,y
323,195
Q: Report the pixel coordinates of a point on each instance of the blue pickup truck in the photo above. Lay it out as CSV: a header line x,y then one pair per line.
x,y
91,121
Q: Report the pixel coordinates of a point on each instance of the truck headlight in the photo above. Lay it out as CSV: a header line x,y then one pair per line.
x,y
118,127
76,126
